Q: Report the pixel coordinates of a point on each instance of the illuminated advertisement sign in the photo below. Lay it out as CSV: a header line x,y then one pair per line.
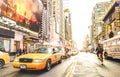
x,y
26,13
118,1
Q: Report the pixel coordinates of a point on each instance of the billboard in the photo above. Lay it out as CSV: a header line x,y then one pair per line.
x,y
26,13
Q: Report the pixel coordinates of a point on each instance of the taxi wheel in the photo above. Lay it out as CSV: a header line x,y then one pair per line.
x,y
105,55
48,65
1,64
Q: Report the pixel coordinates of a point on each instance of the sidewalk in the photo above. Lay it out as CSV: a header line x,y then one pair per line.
x,y
12,57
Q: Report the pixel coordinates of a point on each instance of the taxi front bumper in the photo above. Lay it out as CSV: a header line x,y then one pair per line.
x,y
29,66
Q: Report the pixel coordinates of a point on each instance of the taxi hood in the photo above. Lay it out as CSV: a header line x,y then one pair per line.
x,y
34,55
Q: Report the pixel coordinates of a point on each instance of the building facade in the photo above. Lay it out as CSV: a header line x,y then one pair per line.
x,y
112,21
98,14
20,25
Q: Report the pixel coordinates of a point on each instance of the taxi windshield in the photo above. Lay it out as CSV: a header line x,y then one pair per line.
x,y
45,50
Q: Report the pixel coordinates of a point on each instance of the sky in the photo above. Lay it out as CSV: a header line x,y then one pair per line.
x,y
81,13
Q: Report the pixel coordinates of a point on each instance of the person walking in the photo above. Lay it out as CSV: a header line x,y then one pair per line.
x,y
24,51
19,52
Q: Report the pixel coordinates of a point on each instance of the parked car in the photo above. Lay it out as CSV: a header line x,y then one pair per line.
x,y
65,52
74,51
62,51
4,58
43,58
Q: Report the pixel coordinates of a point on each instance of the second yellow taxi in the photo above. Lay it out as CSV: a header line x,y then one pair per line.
x,y
4,58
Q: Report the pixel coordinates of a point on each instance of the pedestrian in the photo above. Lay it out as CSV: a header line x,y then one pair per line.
x,y
19,52
24,51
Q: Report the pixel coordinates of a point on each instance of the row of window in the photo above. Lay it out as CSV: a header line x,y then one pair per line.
x,y
115,49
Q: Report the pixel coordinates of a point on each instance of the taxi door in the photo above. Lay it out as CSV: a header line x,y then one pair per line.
x,y
54,56
57,54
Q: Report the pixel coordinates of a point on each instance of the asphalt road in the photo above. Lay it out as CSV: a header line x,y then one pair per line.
x,y
81,65
88,65
58,70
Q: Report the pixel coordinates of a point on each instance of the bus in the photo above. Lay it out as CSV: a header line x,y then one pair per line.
x,y
112,47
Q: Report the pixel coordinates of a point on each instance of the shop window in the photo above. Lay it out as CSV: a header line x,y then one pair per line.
x,y
1,44
118,23
108,27
5,45
111,34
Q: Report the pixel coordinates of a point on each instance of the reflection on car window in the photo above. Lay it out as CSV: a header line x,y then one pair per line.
x,y
45,50
2,49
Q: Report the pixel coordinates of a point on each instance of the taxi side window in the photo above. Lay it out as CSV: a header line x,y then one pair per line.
x,y
2,49
55,50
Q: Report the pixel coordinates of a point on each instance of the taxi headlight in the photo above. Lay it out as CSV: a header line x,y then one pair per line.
x,y
38,60
16,60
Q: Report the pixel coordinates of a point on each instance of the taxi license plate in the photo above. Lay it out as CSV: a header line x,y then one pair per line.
x,y
23,66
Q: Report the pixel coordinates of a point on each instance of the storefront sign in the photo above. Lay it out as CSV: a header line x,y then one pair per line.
x,y
118,1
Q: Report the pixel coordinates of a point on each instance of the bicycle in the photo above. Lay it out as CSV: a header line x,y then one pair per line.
x,y
100,57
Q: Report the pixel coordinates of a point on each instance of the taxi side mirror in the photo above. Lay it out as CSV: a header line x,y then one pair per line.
x,y
54,52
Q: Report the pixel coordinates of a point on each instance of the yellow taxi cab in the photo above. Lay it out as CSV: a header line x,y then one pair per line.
x,y
43,58
4,58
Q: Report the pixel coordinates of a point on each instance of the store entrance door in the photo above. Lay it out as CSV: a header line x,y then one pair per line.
x,y
16,45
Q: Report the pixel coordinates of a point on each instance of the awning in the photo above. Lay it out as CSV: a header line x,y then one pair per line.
x,y
6,33
34,38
